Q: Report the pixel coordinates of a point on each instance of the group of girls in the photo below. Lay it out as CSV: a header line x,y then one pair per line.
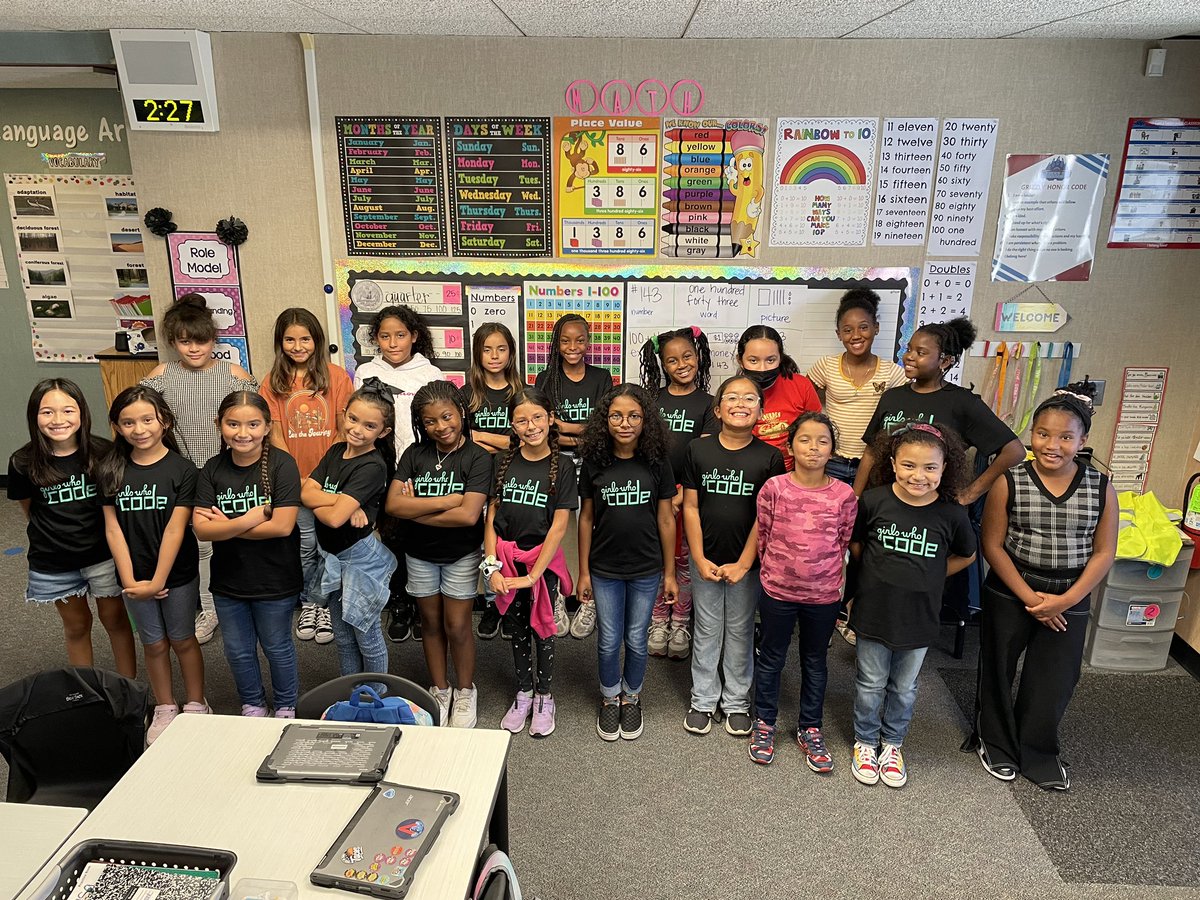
x,y
753,497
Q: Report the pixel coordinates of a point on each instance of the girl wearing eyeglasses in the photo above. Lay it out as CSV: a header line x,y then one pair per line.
x,y
626,544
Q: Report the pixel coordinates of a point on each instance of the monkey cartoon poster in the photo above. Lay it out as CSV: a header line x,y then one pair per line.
x,y
606,185
713,187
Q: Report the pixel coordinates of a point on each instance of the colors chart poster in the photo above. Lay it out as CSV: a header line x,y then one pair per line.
x,y
824,181
714,192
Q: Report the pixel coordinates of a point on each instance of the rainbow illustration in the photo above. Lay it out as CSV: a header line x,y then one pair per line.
x,y
824,162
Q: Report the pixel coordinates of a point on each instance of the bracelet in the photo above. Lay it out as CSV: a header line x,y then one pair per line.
x,y
489,565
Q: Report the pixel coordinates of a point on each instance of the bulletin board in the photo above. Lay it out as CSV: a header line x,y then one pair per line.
x,y
625,306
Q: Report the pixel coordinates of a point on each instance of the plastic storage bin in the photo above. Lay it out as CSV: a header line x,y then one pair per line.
x,y
1127,651
1138,610
59,884
1129,574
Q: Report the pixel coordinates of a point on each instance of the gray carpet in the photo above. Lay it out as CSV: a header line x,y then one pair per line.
x,y
674,815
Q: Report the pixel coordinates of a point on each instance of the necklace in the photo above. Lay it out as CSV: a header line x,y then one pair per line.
x,y
441,459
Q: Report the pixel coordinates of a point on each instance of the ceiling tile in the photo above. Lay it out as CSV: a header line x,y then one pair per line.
x,y
782,18
609,18
450,17
968,18
203,15
1144,19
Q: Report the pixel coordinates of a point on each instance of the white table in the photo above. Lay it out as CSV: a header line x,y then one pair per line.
x,y
32,836
196,786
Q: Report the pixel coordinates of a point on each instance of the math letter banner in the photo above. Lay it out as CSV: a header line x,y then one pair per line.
x,y
1049,217
824,181
606,186
714,189
499,186
1158,196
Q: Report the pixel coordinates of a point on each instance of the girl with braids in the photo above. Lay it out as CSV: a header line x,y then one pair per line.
x,y
626,544
442,482
786,393
910,533
404,362
687,408
307,394
934,350
345,492
532,495
1050,536
247,500
149,490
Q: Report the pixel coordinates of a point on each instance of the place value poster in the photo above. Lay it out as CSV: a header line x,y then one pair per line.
x,y
392,185
499,170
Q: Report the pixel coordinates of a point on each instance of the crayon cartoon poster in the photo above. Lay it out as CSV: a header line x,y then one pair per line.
x,y
823,182
606,185
714,187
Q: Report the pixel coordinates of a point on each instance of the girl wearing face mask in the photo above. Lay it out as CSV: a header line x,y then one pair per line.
x,y
786,393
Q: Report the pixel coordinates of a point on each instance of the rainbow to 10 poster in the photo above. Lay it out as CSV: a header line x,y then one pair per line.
x,y
824,182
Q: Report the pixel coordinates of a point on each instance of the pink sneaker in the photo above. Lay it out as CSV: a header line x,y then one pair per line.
x,y
197,708
285,712
164,715
254,712
543,716
518,714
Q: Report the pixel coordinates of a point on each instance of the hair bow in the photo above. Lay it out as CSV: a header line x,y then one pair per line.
x,y
377,387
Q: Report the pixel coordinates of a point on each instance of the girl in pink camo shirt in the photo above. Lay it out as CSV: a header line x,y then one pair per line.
x,y
804,523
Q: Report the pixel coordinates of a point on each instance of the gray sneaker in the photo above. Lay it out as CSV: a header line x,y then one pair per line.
x,y
584,622
679,645
562,624
443,696
658,637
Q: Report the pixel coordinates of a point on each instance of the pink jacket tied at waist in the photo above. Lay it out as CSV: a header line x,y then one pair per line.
x,y
541,616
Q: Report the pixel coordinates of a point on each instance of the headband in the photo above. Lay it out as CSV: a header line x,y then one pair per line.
x,y
377,387
1079,404
918,426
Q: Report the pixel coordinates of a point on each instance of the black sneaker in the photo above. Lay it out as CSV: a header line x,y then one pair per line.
x,y
697,721
416,629
608,722
739,724
631,717
489,623
399,626
506,628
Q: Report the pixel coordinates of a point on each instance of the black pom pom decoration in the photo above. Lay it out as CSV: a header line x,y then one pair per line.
x,y
232,231
158,221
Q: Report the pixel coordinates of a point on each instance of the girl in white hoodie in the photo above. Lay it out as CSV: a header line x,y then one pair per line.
x,y
403,362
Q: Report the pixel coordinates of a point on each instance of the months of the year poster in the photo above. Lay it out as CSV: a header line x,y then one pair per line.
x,y
606,187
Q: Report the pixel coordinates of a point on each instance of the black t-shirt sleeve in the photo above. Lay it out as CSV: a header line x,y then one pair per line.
x,y
406,468
689,477
667,486
876,422
19,487
962,542
585,482
206,489
566,489
981,428
540,381
285,480
599,383
859,534
319,471
365,482
710,424
479,474
188,480
776,466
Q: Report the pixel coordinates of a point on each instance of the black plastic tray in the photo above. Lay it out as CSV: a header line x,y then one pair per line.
x,y
70,866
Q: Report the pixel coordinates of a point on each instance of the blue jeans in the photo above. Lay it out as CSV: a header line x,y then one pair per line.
x,y
779,619
842,468
723,642
307,524
885,690
623,609
358,651
246,624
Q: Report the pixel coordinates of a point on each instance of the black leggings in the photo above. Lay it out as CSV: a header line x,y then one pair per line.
x,y
524,637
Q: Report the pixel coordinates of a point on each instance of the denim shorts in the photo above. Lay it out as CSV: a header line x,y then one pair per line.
x,y
174,616
99,580
458,580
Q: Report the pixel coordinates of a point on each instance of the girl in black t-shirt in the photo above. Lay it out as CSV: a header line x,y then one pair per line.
x,y
441,484
909,534
149,490
573,386
532,497
53,477
626,544
246,504
686,406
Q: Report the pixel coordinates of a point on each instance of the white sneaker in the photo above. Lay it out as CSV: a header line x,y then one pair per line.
x,y
561,623
443,696
584,622
324,630
892,770
200,708
164,715
306,624
206,624
463,714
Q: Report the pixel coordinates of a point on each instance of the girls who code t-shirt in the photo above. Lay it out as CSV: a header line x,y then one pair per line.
x,y
577,399
467,470
625,496
364,478
492,415
903,567
526,508
148,497
955,406
727,483
66,519
687,416
242,568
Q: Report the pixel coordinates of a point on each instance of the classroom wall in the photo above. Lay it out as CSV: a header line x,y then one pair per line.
x,y
75,106
1050,96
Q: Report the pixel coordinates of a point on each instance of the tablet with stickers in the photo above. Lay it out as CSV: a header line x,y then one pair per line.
x,y
379,851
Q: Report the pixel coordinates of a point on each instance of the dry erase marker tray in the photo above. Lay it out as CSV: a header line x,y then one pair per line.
x,y
152,858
